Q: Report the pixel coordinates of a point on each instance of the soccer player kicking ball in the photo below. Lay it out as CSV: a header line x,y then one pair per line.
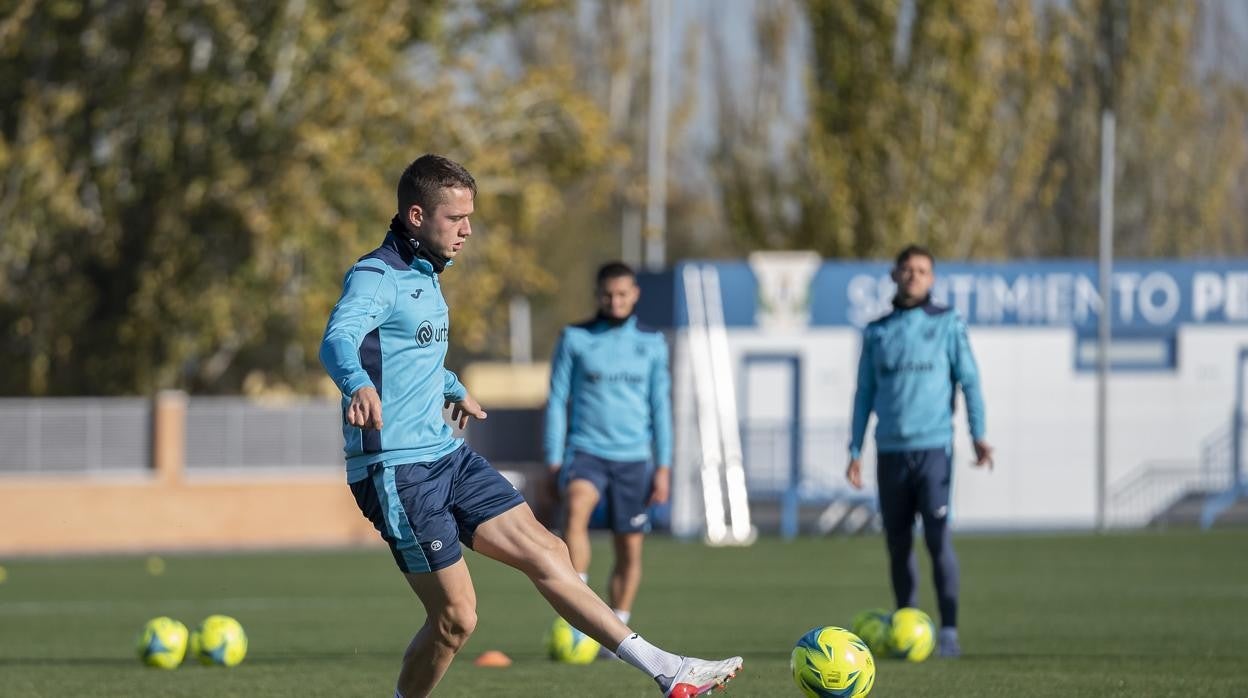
x,y
912,359
610,405
425,491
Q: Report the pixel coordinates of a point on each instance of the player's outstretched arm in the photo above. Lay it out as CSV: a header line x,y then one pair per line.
x,y
464,408
555,434
367,299
365,409
864,399
662,487
983,454
660,390
853,473
966,373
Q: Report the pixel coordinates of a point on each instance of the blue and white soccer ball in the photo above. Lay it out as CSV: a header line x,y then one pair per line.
x,y
831,662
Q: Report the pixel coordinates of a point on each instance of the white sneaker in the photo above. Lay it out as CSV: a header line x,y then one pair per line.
x,y
698,677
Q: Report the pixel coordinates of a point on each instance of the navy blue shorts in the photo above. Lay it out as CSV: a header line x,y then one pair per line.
x,y
624,486
425,510
914,482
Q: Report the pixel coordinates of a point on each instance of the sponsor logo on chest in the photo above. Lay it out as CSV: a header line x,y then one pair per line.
x,y
427,334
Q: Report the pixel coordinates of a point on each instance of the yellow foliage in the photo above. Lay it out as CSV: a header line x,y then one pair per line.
x,y
185,183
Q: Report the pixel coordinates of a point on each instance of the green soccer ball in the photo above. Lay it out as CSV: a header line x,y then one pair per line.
x,y
162,643
831,662
913,635
566,644
219,641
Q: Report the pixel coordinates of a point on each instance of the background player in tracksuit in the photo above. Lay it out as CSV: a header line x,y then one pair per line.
x,y
912,359
424,490
609,416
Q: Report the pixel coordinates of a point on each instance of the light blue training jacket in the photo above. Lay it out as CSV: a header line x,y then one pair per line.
x,y
389,331
610,393
912,359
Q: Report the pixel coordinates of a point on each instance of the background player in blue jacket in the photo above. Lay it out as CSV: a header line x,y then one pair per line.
x,y
912,359
608,418
424,490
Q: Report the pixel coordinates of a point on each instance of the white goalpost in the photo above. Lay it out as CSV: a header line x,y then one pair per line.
x,y
724,496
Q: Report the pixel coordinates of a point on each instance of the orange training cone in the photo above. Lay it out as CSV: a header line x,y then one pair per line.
x,y
493,658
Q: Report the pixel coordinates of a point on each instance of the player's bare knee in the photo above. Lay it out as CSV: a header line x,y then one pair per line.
x,y
555,552
455,624
548,556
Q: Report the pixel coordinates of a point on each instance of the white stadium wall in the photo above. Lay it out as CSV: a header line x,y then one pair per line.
x,y
1181,333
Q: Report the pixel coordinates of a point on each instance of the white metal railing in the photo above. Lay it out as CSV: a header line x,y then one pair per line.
x,y
808,459
231,432
40,436
74,435
1154,486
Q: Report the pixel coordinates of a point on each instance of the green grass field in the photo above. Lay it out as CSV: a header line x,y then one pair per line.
x,y
1121,615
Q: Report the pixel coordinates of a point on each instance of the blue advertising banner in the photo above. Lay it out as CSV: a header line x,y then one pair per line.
x,y
1143,296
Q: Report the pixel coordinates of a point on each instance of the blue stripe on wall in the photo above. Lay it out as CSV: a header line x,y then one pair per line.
x,y
370,359
397,525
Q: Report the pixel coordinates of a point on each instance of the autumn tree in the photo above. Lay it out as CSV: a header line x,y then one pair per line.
x,y
183,183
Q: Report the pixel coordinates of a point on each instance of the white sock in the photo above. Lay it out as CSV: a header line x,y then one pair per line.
x,y
584,576
622,615
661,666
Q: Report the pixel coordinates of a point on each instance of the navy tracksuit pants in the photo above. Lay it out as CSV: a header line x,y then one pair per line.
x,y
917,483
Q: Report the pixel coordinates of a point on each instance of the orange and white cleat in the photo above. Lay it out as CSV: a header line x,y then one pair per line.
x,y
697,677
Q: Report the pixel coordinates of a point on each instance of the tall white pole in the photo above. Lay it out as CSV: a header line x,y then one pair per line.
x,y
1105,316
630,236
656,158
521,330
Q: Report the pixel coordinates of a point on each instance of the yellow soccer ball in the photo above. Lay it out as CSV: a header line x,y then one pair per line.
x,y
913,636
162,643
831,662
219,641
566,644
874,626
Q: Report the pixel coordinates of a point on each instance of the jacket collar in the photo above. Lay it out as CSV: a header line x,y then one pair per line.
x,y
897,305
630,321
412,252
